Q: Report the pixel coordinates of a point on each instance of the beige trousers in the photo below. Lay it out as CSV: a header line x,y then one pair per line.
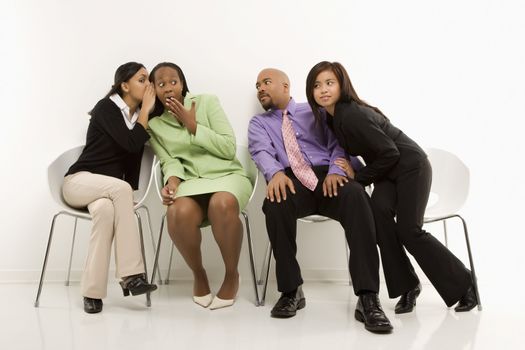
x,y
110,203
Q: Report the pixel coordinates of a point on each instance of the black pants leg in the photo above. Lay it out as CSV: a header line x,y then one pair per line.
x,y
445,271
351,208
399,272
281,225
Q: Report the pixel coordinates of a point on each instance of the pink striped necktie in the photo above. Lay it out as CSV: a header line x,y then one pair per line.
x,y
300,168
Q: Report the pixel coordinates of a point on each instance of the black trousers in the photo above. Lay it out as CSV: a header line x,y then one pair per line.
x,y
399,207
351,208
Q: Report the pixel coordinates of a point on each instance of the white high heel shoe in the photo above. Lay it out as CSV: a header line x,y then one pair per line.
x,y
218,303
203,301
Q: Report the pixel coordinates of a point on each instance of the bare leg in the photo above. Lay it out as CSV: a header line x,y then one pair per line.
x,y
223,213
184,218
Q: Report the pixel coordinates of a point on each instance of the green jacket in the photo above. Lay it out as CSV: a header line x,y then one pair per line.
x,y
210,153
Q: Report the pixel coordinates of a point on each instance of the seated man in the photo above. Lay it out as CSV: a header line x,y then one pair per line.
x,y
298,162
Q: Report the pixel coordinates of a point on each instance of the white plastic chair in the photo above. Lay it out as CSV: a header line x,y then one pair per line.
x,y
251,170
55,176
448,193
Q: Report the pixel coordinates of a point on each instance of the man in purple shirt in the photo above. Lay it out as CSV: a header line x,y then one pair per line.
x,y
287,199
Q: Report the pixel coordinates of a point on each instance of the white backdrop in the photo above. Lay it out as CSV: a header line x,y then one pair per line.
x,y
449,73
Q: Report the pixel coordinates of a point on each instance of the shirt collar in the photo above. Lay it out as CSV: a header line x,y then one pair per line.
x,y
119,102
290,108
124,108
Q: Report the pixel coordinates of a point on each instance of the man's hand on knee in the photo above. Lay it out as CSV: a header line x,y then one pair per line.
x,y
276,188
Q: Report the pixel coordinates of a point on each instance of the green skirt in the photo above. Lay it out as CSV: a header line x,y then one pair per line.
x,y
238,185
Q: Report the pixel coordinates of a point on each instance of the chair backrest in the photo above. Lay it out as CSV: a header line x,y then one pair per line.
x,y
147,168
243,155
58,168
56,171
159,179
450,183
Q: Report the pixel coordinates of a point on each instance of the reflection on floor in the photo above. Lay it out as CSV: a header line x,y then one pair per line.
x,y
175,322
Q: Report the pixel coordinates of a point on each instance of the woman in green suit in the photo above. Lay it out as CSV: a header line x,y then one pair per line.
x,y
205,184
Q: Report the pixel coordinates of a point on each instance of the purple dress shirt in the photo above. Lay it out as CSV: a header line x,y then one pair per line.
x,y
316,141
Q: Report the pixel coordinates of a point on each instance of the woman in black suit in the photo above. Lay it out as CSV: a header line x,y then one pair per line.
x,y
401,174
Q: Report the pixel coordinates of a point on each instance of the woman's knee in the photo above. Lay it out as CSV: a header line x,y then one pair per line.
x,y
122,188
223,205
182,213
102,209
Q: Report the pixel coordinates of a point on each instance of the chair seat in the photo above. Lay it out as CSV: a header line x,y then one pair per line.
x,y
314,218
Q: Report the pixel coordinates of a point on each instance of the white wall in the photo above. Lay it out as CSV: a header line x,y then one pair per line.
x,y
449,73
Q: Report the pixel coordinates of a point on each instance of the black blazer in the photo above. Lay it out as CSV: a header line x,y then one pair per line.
x,y
111,148
387,151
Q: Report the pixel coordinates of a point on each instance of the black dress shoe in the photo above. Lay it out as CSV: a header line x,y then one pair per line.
x,y
369,311
137,285
467,301
408,300
288,304
92,306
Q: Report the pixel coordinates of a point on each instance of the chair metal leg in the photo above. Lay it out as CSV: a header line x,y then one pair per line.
x,y
71,253
168,274
265,266
148,297
471,260
153,244
268,263
252,259
445,232
37,300
157,251
347,250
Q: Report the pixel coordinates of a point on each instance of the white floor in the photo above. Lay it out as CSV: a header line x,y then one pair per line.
x,y
175,322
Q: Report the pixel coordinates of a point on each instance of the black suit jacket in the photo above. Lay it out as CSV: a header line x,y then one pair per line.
x,y
387,151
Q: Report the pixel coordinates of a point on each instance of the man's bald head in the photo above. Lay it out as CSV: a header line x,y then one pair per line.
x,y
273,88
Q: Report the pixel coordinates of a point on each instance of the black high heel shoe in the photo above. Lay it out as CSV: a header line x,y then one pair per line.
x,y
407,302
467,301
136,285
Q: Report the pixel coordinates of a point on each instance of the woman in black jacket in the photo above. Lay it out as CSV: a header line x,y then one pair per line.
x,y
401,174
103,179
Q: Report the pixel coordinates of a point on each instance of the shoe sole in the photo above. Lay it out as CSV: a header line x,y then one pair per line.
x,y
92,311
300,305
143,290
405,311
379,329
458,309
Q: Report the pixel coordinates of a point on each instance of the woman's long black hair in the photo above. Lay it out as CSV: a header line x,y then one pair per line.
x,y
348,93
123,74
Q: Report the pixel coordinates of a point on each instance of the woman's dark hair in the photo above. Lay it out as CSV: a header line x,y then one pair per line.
x,y
159,106
123,74
348,93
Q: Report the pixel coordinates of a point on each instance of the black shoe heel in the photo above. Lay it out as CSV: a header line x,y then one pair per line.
x,y
136,285
125,290
358,316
